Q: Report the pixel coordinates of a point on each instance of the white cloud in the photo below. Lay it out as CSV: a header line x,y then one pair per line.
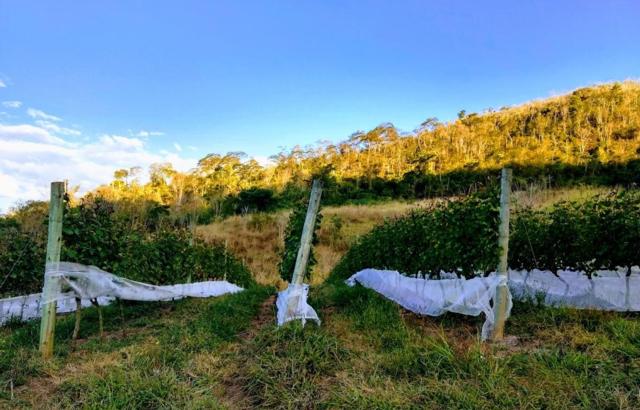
x,y
12,104
32,112
144,133
27,132
177,147
2,84
53,127
32,156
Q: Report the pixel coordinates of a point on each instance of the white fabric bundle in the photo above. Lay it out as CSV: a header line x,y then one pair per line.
x,y
292,304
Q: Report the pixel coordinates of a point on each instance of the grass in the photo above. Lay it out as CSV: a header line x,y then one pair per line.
x,y
368,353
564,359
258,239
164,355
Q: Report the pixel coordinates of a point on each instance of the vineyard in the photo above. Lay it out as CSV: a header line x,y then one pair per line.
x,y
367,352
461,236
319,205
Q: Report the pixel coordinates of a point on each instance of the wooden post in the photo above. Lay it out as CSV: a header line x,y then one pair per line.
x,y
307,233
76,327
502,291
51,285
95,303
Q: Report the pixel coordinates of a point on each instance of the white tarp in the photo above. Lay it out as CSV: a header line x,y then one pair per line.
x,y
605,290
89,282
435,297
28,307
292,304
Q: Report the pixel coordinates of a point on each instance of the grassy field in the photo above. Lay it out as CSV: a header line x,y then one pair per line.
x,y
368,353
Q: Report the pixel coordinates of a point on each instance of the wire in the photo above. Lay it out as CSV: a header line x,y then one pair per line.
x,y
24,249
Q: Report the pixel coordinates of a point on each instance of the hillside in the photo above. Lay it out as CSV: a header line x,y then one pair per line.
x,y
591,135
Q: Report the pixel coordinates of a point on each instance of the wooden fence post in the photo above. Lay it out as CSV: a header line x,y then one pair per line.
x,y
51,285
502,291
307,233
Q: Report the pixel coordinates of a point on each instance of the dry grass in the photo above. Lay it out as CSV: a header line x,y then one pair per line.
x,y
536,196
343,225
258,239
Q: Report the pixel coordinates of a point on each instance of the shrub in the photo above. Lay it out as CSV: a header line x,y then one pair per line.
x,y
602,232
457,236
293,233
21,259
95,233
461,236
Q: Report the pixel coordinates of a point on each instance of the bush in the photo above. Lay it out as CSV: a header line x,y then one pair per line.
x,y
96,233
457,236
292,237
461,236
602,232
22,259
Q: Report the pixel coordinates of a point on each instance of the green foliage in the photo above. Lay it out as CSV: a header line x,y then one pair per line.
x,y
461,236
292,237
597,233
95,233
457,236
21,259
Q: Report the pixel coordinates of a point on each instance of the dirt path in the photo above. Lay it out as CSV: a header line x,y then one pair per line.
x,y
266,315
234,395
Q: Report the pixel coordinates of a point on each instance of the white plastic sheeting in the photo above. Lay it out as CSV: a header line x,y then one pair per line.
x,y
435,297
292,304
28,307
606,290
89,282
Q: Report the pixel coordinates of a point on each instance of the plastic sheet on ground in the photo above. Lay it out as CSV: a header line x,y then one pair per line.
x,y
435,297
89,282
292,304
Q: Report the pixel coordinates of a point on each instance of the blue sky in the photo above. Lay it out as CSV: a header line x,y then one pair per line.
x,y
112,84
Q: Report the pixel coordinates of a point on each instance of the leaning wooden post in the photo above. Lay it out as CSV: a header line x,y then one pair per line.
x,y
307,233
502,291
51,286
